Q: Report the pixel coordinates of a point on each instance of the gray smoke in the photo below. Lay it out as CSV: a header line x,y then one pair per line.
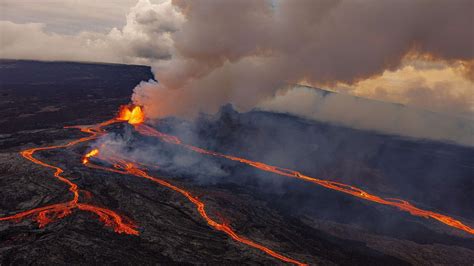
x,y
243,51
154,155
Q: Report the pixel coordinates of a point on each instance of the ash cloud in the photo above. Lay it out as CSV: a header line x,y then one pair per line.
x,y
243,51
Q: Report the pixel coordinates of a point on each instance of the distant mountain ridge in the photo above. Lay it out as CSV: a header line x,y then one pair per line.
x,y
367,114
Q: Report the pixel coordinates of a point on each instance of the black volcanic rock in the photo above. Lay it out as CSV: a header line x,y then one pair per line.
x,y
428,172
38,95
304,221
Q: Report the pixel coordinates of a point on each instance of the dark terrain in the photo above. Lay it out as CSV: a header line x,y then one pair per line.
x,y
301,220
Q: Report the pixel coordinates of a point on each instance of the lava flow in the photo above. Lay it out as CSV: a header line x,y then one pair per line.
x,y
47,214
134,115
351,190
129,168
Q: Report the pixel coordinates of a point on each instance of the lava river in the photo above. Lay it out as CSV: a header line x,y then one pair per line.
x,y
122,166
344,188
135,116
47,214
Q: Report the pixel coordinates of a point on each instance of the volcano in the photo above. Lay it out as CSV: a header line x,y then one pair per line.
x,y
84,181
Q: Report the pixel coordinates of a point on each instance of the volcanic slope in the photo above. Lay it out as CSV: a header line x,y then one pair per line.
x,y
303,222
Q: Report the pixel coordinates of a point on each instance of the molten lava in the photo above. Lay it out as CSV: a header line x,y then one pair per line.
x,y
344,188
92,153
137,116
133,114
47,214
128,168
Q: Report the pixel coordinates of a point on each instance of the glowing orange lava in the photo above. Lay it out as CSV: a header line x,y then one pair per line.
x,y
92,153
47,214
124,113
132,114
50,213
344,188
129,168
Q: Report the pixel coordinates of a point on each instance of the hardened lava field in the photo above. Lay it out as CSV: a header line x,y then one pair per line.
x,y
231,188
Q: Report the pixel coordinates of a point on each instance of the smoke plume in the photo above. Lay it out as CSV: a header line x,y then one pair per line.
x,y
242,51
208,53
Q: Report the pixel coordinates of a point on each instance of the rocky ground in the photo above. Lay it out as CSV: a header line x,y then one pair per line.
x,y
302,221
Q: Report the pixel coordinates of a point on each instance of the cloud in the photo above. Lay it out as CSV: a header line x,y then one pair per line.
x,y
144,38
68,16
432,85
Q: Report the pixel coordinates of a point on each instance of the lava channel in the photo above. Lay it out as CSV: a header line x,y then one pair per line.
x,y
344,188
129,168
47,214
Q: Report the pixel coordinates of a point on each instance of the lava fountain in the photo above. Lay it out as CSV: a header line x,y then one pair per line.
x,y
133,114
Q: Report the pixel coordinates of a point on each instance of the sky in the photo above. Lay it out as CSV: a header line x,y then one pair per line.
x,y
207,53
83,30
68,16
